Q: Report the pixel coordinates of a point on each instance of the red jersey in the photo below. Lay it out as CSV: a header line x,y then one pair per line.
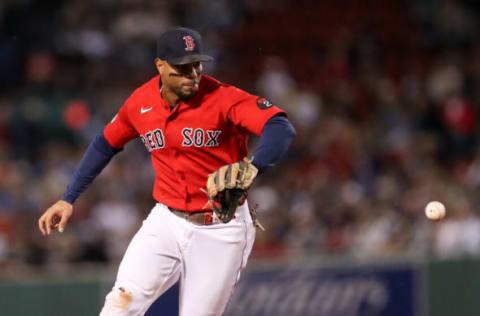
x,y
193,139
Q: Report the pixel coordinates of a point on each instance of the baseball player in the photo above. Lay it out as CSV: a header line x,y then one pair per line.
x,y
196,130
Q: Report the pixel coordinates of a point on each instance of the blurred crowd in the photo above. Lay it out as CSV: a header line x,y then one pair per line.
x,y
384,97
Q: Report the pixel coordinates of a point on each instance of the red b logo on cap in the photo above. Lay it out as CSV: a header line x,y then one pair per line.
x,y
189,43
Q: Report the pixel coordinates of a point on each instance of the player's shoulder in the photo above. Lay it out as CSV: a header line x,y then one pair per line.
x,y
144,92
212,85
146,89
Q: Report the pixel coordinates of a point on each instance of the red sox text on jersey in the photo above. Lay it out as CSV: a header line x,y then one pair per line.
x,y
197,137
192,140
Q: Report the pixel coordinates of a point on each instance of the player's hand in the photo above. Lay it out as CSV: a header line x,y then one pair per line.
x,y
227,188
238,175
55,217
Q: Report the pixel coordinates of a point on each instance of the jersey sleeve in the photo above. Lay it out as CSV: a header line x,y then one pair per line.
x,y
120,129
251,112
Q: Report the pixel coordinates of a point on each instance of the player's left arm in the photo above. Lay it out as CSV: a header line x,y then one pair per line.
x,y
228,185
277,135
257,116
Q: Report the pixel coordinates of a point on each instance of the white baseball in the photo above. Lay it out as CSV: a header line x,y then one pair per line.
x,y
435,211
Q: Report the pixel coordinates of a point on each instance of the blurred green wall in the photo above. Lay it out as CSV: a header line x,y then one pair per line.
x,y
447,288
52,298
454,288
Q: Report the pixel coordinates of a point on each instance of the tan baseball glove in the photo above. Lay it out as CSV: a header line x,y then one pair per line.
x,y
227,187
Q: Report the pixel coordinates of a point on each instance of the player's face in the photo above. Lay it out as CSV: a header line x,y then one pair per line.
x,y
182,80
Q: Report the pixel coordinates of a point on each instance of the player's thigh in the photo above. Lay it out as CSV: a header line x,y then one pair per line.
x,y
149,267
213,264
149,262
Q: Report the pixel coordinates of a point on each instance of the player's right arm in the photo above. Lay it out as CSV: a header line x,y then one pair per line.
x,y
99,153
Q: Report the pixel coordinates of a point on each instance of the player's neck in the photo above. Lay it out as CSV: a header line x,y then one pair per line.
x,y
171,98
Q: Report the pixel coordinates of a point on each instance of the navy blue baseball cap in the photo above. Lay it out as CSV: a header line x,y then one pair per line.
x,y
181,45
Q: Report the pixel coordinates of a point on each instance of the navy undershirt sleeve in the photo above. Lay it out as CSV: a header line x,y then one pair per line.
x,y
276,137
97,156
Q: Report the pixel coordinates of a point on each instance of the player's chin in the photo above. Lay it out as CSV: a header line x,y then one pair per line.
x,y
188,91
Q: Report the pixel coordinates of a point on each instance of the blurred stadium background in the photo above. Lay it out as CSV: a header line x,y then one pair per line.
x,y
384,95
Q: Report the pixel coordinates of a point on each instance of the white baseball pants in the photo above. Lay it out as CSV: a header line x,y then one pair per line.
x,y
207,261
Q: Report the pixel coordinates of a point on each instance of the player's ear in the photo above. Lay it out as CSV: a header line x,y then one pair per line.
x,y
160,64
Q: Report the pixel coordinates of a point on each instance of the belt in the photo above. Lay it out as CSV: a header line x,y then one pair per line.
x,y
199,218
